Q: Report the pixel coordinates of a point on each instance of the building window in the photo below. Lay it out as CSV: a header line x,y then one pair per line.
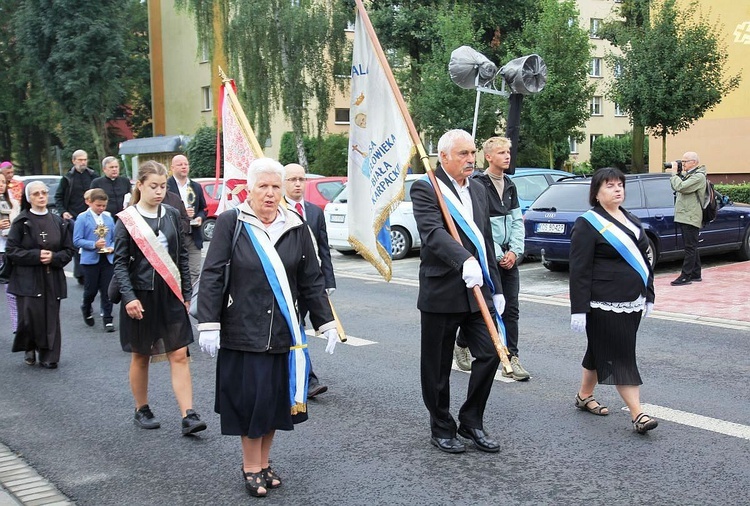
x,y
573,145
594,25
206,96
349,26
341,116
204,52
595,69
596,106
268,142
619,111
618,69
592,139
431,146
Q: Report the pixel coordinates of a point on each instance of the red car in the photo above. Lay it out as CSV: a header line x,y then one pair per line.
x,y
318,190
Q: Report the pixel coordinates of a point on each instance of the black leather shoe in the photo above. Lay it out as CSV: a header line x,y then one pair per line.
x,y
448,445
682,280
480,439
88,316
48,365
316,390
698,279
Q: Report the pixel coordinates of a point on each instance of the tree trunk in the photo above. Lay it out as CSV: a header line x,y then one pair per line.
x,y
663,149
636,162
292,101
551,154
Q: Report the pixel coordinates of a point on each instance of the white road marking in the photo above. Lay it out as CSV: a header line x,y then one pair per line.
x,y
350,340
498,374
697,421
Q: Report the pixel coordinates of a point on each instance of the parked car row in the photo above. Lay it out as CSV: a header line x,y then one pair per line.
x,y
649,197
530,182
319,190
52,183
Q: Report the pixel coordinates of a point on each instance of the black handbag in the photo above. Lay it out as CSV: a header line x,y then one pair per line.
x,y
196,286
5,269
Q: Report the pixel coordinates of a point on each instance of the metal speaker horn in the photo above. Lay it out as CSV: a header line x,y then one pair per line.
x,y
525,75
469,68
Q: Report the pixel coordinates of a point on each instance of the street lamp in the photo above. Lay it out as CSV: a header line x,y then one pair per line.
x,y
526,75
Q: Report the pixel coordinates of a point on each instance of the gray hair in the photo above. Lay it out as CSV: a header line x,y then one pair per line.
x,y
263,166
79,152
109,160
449,138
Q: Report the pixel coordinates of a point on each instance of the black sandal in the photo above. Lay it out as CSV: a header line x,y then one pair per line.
x,y
270,475
642,426
583,404
254,482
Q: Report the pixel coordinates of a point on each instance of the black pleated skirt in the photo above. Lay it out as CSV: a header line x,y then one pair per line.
x,y
252,393
611,346
165,326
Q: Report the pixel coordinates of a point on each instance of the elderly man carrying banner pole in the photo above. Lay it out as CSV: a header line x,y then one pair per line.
x,y
443,435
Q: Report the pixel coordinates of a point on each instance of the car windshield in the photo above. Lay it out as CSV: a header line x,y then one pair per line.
x,y
563,197
329,189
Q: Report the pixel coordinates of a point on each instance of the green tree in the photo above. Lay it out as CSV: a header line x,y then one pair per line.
x,y
285,52
560,111
201,152
137,68
74,52
672,71
608,152
331,158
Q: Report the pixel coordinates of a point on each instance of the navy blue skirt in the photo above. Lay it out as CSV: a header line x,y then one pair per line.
x,y
611,346
252,393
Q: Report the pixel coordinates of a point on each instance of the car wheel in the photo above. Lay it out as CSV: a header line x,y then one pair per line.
x,y
652,254
744,252
208,229
400,242
555,266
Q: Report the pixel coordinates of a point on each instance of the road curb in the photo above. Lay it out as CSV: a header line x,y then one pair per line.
x,y
21,484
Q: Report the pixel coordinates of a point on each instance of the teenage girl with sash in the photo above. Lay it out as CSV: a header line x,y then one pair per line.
x,y
151,269
611,288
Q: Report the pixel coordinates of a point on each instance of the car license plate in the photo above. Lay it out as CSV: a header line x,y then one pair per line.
x,y
338,218
550,228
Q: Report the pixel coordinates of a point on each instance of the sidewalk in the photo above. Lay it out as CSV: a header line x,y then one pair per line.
x,y
21,485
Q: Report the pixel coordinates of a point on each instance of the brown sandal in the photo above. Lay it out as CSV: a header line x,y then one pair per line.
x,y
642,426
583,404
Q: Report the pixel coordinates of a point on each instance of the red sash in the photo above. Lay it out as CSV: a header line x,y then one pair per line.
x,y
156,254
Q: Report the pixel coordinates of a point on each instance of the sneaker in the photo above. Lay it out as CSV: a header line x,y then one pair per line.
x,y
682,280
463,357
88,316
29,358
145,419
108,325
519,373
192,423
698,279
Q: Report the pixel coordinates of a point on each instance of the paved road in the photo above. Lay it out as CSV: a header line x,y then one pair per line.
x,y
367,439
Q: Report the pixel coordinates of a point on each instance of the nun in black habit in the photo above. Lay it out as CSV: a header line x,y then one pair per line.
x,y
40,244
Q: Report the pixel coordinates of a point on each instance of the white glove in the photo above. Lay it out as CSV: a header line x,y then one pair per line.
x,y
332,335
330,291
578,322
499,301
472,273
648,309
209,341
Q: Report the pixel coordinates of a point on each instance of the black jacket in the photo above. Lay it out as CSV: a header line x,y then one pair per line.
x,y
116,189
598,272
441,287
134,272
26,278
248,315
62,195
199,206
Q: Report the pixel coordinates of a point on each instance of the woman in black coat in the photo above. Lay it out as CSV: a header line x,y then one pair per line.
x,y
611,287
39,245
262,365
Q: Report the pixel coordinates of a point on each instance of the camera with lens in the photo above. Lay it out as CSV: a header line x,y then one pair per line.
x,y
668,165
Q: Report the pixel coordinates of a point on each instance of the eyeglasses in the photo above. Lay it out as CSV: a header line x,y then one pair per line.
x,y
686,161
39,192
296,179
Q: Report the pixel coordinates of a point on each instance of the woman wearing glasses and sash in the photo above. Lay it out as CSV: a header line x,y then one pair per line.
x,y
611,288
262,367
39,245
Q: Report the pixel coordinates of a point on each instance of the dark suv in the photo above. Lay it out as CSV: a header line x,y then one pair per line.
x,y
550,220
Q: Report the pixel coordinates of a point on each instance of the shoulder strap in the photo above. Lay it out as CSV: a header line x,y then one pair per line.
x,y
237,228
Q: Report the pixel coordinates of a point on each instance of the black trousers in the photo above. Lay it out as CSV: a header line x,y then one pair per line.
x,y
96,278
312,378
438,337
691,266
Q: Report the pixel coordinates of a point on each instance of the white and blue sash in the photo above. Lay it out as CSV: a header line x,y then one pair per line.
x,y
464,221
299,361
619,240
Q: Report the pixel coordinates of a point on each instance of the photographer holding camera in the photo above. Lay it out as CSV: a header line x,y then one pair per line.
x,y
689,184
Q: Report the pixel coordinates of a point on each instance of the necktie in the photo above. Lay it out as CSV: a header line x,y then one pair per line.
x,y
298,207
